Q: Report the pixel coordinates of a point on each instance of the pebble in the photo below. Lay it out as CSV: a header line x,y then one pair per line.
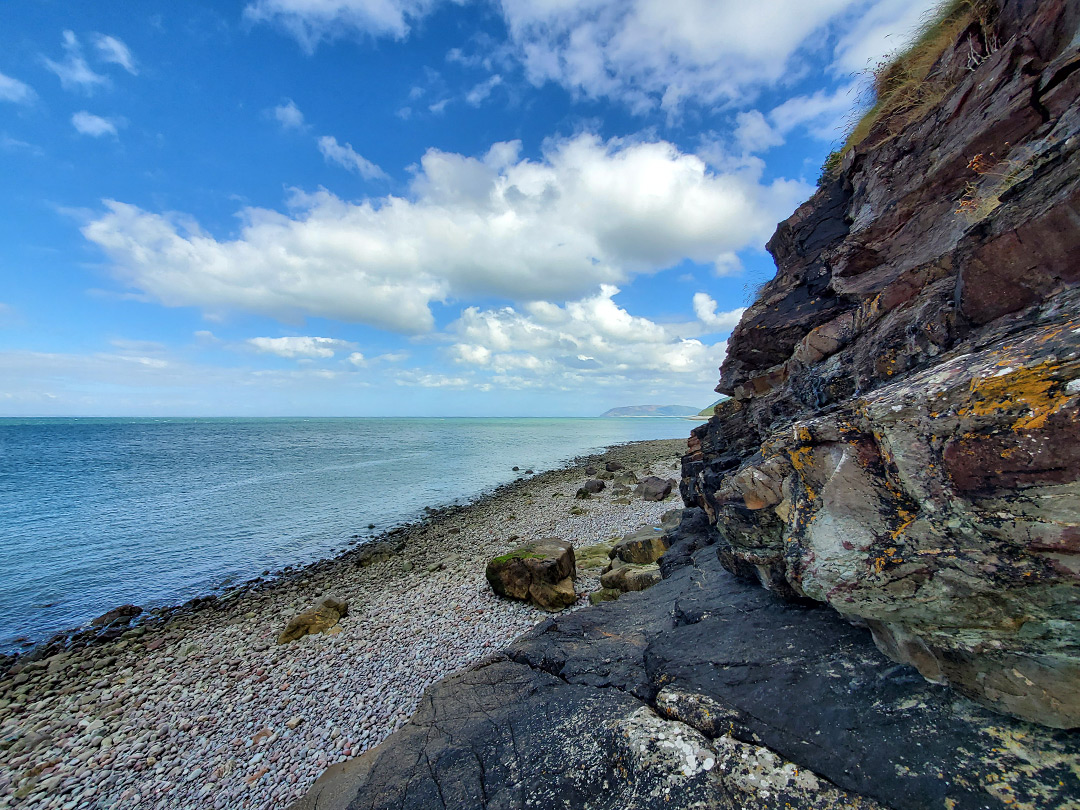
x,y
206,713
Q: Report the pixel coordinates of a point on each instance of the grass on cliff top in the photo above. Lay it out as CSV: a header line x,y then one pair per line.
x,y
904,86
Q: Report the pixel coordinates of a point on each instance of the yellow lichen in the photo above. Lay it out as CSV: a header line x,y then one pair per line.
x,y
1032,388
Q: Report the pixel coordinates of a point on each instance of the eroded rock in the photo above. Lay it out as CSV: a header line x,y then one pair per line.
x,y
325,614
540,571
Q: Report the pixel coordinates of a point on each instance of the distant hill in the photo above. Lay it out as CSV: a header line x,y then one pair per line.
x,y
652,410
708,412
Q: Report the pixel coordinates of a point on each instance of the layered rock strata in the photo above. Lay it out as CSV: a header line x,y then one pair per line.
x,y
903,438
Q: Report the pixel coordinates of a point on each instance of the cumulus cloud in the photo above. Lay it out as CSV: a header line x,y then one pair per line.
x,y
545,345
348,158
289,115
588,212
887,26
73,71
713,321
312,21
15,91
754,134
112,50
649,52
308,347
94,125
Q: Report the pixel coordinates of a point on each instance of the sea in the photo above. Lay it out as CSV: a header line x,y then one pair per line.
x,y
95,513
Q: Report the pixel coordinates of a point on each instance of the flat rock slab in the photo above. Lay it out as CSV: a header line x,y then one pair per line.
x,y
712,659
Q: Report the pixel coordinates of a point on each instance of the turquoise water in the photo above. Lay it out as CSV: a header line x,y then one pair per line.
x,y
99,512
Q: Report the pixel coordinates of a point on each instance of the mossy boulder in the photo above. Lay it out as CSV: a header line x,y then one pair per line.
x,y
540,572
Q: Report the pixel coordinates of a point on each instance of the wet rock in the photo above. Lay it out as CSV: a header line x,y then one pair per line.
x,y
541,572
121,615
326,613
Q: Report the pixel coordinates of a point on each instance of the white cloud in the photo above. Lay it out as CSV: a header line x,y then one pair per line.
x,y
349,158
824,114
649,52
886,26
589,212
289,115
480,92
311,21
94,125
15,91
754,134
357,359
705,309
312,347
594,339
73,71
113,51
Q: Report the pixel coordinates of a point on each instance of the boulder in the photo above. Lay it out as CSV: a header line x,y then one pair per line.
x,y
654,488
604,595
643,546
613,466
594,556
590,471
540,572
326,613
377,552
625,478
121,615
605,475
631,577
592,486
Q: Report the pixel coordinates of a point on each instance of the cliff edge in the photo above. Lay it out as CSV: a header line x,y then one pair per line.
x,y
903,438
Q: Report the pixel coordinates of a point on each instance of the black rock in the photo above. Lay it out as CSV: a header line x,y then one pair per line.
x,y
547,722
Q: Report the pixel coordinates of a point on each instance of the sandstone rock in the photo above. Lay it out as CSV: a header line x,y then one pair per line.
x,y
631,577
326,613
653,488
643,546
604,595
625,478
902,442
594,556
541,572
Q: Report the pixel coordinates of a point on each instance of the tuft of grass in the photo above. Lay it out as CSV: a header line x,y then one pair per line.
x,y
830,168
907,85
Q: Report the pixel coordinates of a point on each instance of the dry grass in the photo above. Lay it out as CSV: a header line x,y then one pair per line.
x,y
907,85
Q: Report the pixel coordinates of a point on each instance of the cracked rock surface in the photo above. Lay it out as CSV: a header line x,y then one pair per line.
x,y
704,691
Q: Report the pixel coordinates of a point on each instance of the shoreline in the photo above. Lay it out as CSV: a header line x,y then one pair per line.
x,y
201,688
86,635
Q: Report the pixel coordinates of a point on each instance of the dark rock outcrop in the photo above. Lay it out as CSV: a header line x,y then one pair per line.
x,y
903,441
541,572
653,488
704,691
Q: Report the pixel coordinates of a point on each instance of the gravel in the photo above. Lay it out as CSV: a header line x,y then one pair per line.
x,y
206,710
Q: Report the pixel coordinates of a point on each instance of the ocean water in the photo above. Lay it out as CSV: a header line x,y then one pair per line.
x,y
99,512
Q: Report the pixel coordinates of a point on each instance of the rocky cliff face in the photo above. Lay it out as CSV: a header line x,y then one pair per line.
x,y
903,438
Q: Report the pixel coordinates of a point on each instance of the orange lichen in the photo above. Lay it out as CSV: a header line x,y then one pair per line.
x,y
1031,387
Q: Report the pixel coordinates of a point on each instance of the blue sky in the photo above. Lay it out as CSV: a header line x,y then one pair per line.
x,y
420,207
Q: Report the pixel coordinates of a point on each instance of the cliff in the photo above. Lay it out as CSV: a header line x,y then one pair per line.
x,y
903,438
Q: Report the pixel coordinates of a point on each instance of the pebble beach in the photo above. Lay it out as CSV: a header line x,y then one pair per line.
x,y
201,708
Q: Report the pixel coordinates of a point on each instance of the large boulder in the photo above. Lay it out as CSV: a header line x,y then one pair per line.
x,y
643,546
631,577
653,488
326,613
540,572
613,466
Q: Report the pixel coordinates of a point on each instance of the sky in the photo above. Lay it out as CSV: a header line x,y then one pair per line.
x,y
403,207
